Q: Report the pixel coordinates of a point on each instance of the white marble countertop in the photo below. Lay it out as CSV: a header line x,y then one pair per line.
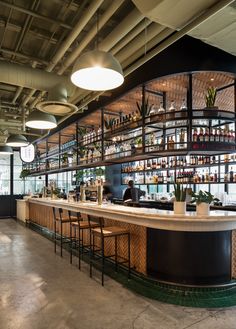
x,y
218,220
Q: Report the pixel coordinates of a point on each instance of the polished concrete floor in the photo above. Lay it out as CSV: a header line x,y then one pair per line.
x,y
41,290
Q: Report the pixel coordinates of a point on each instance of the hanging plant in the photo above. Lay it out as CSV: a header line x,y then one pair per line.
x,y
24,173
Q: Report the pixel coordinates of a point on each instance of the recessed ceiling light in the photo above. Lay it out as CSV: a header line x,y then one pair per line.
x,y
212,79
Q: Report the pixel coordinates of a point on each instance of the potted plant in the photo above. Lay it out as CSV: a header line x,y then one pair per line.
x,y
203,199
144,109
210,98
65,159
79,175
180,199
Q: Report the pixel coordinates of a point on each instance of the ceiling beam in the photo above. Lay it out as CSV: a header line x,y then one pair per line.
x,y
35,14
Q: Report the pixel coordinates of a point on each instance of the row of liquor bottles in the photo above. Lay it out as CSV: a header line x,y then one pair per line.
x,y
176,162
225,135
186,177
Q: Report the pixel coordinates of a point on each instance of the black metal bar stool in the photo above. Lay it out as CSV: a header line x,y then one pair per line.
x,y
104,232
77,230
60,218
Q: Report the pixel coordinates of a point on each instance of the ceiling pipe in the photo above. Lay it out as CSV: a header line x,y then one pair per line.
x,y
121,30
130,36
90,35
17,94
74,33
16,131
140,51
139,42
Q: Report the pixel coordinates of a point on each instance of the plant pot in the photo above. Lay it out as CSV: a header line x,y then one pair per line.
x,y
179,207
203,209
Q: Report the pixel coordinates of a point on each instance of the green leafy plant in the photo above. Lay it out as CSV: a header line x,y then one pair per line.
x,y
24,173
65,157
79,175
99,171
144,108
203,196
81,131
138,141
81,151
210,97
56,191
179,192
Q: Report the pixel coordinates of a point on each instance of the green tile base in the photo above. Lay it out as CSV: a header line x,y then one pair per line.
x,y
210,297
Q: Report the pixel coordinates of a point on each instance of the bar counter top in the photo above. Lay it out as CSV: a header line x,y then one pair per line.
x,y
218,220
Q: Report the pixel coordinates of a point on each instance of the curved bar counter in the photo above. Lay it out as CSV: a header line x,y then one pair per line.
x,y
187,249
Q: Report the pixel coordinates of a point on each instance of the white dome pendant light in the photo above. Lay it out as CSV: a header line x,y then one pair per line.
x,y
17,141
5,149
97,70
41,120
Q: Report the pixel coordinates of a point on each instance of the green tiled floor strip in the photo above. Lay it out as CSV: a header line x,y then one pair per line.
x,y
185,296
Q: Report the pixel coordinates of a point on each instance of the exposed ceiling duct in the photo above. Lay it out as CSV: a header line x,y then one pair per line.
x,y
59,87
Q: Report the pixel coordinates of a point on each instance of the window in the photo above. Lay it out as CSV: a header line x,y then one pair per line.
x,y
4,174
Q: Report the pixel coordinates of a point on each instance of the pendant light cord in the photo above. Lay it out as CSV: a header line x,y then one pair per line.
x,y
97,24
145,37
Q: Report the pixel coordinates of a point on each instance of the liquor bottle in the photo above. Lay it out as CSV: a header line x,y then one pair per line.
x,y
148,164
201,135
162,144
171,143
232,138
206,135
221,136
212,136
172,106
231,175
174,162
226,140
217,136
185,162
195,135
203,176
182,139
177,162
183,105
154,164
